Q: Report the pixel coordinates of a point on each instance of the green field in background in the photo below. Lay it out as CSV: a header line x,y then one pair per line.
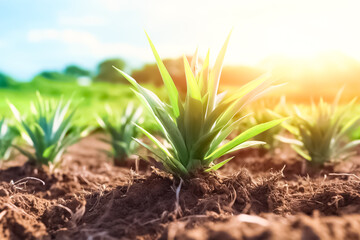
x,y
90,100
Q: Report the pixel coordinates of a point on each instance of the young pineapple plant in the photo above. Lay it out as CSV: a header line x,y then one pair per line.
x,y
8,134
48,129
122,132
265,111
321,133
194,129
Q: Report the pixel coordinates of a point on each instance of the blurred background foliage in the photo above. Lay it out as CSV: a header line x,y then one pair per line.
x,y
92,88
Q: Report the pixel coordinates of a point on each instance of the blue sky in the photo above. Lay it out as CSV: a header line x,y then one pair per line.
x,y
39,34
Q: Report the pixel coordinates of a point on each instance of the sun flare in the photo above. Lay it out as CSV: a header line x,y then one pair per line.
x,y
295,29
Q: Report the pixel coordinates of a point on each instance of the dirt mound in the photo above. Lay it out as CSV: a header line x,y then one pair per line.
x,y
269,227
144,206
329,196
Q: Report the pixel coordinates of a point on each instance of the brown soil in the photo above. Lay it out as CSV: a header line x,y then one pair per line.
x,y
252,197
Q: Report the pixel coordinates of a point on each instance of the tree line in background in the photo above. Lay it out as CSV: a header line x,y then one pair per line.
x,y
307,79
148,73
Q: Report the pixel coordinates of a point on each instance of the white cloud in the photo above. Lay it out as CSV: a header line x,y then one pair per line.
x,y
66,36
78,40
82,21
